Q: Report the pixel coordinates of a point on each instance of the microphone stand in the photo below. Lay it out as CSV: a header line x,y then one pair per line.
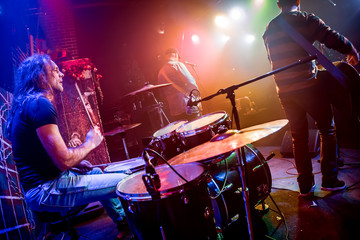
x,y
240,152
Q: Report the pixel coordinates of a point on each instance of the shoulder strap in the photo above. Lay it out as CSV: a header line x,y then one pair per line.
x,y
302,41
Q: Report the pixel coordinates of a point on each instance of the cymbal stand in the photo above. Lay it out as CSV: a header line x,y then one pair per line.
x,y
241,162
240,152
160,111
122,135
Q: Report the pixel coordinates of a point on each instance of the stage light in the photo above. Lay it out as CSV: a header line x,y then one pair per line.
x,y
249,38
224,38
259,3
221,21
237,14
195,39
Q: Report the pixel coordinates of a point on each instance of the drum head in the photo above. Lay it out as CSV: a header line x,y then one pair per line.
x,y
205,120
169,128
125,166
133,186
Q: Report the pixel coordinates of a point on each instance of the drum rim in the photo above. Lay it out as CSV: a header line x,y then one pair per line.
x,y
171,132
138,197
138,159
204,128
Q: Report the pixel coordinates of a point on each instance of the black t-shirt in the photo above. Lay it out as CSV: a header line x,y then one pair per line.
x,y
32,161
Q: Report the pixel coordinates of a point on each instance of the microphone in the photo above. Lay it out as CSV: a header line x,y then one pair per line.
x,y
190,102
151,179
191,64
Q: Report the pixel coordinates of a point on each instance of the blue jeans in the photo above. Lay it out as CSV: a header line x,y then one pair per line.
x,y
315,102
72,189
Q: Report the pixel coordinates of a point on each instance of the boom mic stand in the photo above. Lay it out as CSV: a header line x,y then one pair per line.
x,y
240,152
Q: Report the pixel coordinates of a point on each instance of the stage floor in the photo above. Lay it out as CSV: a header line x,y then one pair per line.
x,y
322,216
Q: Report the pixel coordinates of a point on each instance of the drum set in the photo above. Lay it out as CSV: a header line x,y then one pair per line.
x,y
200,187
208,176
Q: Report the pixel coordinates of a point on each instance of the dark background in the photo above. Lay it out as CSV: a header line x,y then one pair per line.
x,y
121,38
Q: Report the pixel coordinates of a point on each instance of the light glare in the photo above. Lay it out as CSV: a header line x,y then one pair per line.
x,y
259,3
249,38
195,39
237,14
221,21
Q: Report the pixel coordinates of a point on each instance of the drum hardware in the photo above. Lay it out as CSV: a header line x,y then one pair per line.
x,y
228,142
239,150
121,130
166,142
151,178
169,217
272,154
158,106
202,129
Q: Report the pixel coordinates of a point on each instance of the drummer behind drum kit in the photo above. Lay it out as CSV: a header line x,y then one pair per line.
x,y
200,188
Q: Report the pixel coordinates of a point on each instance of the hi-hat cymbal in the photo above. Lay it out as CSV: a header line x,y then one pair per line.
x,y
148,87
121,129
228,141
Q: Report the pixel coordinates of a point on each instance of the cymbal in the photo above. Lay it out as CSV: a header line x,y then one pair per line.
x,y
148,87
121,129
228,141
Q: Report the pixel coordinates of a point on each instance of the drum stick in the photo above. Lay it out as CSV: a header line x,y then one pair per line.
x,y
105,164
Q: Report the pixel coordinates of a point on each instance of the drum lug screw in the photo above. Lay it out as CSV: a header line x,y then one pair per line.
x,y
239,190
131,208
185,199
207,212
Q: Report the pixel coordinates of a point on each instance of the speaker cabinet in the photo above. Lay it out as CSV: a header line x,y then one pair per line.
x,y
286,149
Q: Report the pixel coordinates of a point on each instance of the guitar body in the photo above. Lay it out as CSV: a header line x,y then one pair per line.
x,y
345,102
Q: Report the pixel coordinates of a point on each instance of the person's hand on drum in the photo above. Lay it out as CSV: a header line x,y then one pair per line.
x,y
83,167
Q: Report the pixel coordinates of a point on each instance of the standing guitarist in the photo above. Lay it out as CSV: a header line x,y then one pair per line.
x,y
300,92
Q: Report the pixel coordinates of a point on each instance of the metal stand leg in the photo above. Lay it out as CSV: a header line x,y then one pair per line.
x,y
160,112
125,148
241,159
240,154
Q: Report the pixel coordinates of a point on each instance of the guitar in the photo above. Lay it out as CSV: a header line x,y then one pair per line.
x,y
337,91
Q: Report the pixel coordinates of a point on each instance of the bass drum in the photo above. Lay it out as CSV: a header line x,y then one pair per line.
x,y
183,210
225,187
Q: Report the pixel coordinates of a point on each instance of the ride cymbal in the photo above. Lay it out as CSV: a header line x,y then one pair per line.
x,y
228,141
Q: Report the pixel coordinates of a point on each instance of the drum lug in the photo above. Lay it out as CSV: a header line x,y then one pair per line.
x,y
263,188
131,208
240,190
185,199
207,212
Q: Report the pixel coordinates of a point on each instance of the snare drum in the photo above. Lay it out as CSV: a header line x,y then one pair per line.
x,y
165,140
127,166
202,129
183,211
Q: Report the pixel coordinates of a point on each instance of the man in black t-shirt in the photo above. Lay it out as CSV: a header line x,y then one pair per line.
x,y
55,178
